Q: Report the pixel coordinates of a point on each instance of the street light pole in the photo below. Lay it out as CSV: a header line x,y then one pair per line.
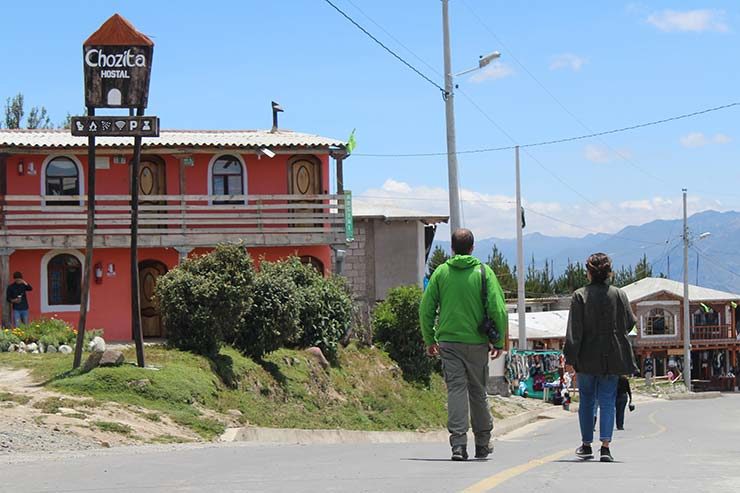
x,y
686,320
452,179
520,296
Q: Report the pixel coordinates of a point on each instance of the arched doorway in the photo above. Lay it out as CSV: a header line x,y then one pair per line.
x,y
151,321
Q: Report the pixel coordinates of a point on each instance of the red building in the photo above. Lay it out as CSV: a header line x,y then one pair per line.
x,y
269,190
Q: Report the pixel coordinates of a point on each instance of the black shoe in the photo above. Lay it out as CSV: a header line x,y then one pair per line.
x,y
606,455
459,452
620,429
585,452
483,451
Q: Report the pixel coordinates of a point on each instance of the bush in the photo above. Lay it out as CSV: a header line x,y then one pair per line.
x,y
325,305
274,318
326,315
7,337
396,325
205,300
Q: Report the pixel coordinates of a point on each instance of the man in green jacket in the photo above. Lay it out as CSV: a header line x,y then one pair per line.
x,y
454,294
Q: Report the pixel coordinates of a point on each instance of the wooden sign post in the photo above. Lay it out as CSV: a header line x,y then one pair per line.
x,y
117,61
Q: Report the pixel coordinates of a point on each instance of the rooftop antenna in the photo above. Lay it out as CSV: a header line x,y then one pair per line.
x,y
276,108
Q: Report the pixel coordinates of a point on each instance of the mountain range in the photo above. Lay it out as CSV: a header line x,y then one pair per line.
x,y
661,241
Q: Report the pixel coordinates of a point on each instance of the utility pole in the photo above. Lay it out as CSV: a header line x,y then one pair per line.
x,y
686,320
452,180
520,295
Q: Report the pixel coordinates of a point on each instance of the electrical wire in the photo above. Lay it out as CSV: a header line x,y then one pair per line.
x,y
380,43
510,53
714,261
566,139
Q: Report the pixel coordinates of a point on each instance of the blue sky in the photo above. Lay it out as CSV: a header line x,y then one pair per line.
x,y
218,65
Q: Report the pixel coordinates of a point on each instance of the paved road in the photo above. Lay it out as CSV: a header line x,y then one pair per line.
x,y
668,446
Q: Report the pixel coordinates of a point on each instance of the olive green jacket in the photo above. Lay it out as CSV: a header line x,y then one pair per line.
x,y
598,323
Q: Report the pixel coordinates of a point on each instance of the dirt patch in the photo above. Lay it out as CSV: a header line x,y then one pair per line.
x,y
36,419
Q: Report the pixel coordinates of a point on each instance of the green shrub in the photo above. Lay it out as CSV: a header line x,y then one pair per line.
x,y
396,325
7,338
274,317
326,315
204,300
325,305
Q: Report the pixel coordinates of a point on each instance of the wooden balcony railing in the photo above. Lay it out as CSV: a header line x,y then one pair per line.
x,y
711,332
174,220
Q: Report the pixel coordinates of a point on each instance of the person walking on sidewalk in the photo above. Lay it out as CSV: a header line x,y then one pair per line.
x,y
457,293
624,394
597,348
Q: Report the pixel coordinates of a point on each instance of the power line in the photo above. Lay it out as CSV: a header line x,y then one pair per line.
x,y
567,139
714,261
510,53
380,43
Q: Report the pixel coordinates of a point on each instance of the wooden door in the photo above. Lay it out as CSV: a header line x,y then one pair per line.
x,y
151,179
305,179
151,321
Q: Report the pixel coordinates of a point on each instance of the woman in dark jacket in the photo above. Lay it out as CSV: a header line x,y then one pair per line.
x,y
597,348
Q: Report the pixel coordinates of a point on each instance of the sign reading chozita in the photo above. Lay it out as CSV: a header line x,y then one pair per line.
x,y
117,60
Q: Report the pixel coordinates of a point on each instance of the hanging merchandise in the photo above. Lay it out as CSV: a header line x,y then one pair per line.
x,y
530,372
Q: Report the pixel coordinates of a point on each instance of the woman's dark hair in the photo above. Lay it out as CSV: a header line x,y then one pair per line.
x,y
599,265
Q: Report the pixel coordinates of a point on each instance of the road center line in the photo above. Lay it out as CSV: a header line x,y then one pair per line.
x,y
495,480
661,428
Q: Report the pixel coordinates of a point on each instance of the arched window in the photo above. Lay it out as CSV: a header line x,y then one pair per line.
x,y
227,178
660,322
62,177
313,262
64,280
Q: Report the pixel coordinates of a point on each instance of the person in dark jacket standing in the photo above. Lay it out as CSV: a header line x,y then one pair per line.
x,y
597,348
16,296
624,394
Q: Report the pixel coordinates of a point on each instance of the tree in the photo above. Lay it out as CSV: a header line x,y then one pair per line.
x,y
643,268
573,278
14,111
38,118
67,123
501,268
438,257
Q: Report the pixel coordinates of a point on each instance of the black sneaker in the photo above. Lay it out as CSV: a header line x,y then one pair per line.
x,y
483,451
459,452
585,452
606,455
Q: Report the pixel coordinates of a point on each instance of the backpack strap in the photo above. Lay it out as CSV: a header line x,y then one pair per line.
x,y
484,290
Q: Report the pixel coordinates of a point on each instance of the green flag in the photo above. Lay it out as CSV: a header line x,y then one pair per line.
x,y
351,142
705,308
734,305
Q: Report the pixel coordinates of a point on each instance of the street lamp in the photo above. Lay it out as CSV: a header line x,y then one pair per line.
x,y
452,179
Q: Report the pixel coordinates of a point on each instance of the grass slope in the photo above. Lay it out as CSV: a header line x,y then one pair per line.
x,y
289,389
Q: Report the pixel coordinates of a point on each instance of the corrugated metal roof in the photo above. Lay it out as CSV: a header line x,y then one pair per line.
x,y
540,325
365,209
649,286
61,138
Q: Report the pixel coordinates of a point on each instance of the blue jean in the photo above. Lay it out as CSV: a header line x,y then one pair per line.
x,y
19,317
591,388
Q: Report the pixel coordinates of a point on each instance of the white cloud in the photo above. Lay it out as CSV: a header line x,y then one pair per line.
x,y
699,20
698,139
494,71
694,139
495,215
567,61
722,139
603,155
596,154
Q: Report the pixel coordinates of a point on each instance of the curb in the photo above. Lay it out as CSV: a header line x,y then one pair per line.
x,y
305,437
692,396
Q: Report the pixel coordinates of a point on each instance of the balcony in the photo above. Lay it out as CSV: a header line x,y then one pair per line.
x,y
28,221
712,332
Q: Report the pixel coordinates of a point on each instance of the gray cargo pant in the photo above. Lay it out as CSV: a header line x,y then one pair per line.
x,y
465,368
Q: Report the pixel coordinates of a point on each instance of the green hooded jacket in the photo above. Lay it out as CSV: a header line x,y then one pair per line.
x,y
454,291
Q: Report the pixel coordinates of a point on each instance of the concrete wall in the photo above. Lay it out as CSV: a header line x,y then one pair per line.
x,y
399,255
